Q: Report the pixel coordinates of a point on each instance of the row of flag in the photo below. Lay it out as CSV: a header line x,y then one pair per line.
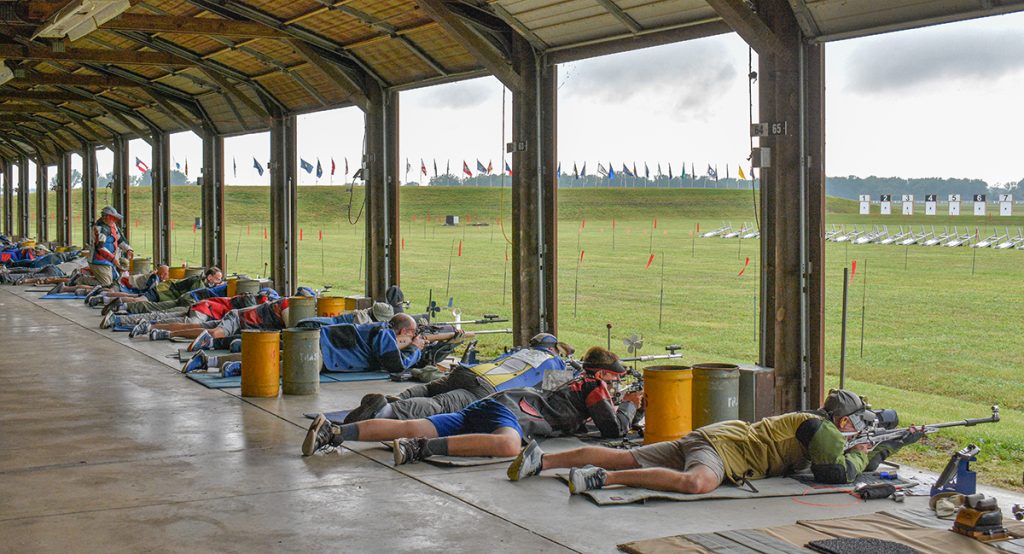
x,y
607,172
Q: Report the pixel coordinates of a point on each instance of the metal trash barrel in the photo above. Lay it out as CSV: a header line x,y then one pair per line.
x,y
247,285
261,363
176,272
141,265
233,284
301,361
299,308
330,306
668,389
716,393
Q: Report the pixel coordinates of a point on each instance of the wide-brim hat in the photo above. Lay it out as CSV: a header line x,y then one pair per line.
x,y
382,311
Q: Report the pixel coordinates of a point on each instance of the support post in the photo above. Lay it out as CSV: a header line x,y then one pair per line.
x,y
283,199
64,220
8,198
792,190
88,192
42,202
213,200
120,186
382,169
534,190
23,202
160,173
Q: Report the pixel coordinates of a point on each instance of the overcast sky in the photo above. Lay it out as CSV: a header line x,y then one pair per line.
x,y
941,101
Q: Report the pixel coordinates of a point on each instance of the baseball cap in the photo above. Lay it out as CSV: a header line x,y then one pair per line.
x,y
546,340
109,210
382,311
843,403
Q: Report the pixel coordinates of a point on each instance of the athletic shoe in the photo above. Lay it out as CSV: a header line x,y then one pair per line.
x,y
370,405
236,346
409,451
95,301
114,305
141,328
527,463
587,478
195,363
95,290
322,435
203,342
58,288
108,320
230,369
159,334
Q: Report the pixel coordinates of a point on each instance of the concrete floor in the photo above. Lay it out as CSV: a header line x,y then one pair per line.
x,y
104,446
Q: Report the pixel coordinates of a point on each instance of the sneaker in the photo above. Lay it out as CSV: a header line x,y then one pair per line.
x,y
95,290
95,301
141,328
527,463
230,369
322,435
203,342
236,346
408,451
587,478
108,320
196,362
159,334
370,405
114,305
57,289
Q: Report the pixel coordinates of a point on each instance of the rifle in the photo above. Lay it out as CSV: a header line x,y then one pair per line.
x,y
488,318
638,377
874,434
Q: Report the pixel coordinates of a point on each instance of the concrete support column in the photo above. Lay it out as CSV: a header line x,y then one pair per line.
x,y
283,200
88,192
160,171
792,188
213,200
534,195
382,193
120,187
23,203
42,202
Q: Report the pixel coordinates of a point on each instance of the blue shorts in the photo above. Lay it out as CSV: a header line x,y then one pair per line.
x,y
482,416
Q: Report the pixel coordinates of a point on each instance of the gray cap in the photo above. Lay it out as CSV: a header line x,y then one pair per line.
x,y
843,403
109,210
382,311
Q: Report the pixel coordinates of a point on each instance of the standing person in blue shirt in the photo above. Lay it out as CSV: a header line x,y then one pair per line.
x,y
393,346
108,246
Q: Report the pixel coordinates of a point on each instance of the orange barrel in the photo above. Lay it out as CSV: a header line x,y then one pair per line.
x,y
141,265
330,306
716,393
190,271
247,285
176,272
301,360
299,308
668,389
261,363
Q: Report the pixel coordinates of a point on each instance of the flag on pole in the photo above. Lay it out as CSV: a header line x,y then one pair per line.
x,y
611,172
745,264
358,174
508,169
601,171
727,171
186,167
256,165
306,166
333,166
739,168
319,169
346,166
647,171
490,167
480,167
234,166
559,170
177,165
583,170
670,171
627,172
141,166
649,261
423,167
712,172
575,171
635,174
465,169
448,167
435,168
408,166
659,170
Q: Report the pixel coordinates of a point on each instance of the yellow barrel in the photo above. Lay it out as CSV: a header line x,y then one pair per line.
x,y
141,265
301,360
261,363
247,285
330,306
190,271
177,272
668,389
232,286
716,393
299,308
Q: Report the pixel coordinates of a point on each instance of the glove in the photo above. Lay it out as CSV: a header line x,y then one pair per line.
x,y
910,437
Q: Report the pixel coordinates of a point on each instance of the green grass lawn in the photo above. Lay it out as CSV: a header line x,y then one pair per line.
x,y
942,329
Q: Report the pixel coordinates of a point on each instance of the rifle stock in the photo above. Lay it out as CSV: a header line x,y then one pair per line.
x,y
873,435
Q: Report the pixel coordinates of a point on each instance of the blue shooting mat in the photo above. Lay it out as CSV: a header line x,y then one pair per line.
x,y
215,381
61,296
358,376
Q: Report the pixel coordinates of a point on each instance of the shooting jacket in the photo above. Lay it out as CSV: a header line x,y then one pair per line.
x,y
107,243
784,444
566,409
369,347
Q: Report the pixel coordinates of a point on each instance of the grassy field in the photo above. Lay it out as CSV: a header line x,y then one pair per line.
x,y
942,329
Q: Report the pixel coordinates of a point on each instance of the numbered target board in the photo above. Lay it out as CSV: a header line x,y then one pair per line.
x,y
979,204
885,203
954,204
865,204
930,202
1005,204
908,204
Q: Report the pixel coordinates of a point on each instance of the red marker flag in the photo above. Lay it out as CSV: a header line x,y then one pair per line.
x,y
649,262
853,272
581,255
583,225
506,255
322,235
300,233
745,264
193,227
248,230
264,233
460,248
403,244
698,226
655,223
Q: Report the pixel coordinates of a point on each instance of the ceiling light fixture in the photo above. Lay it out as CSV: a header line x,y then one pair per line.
x,y
81,17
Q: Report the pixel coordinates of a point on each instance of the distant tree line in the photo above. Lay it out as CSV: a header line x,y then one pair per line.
x,y
853,186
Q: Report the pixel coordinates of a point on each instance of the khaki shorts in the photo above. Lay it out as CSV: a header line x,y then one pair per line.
x,y
681,455
99,274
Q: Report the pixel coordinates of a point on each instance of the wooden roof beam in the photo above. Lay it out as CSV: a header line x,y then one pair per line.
x,y
333,73
191,26
8,94
623,17
26,109
75,80
479,47
95,55
748,25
